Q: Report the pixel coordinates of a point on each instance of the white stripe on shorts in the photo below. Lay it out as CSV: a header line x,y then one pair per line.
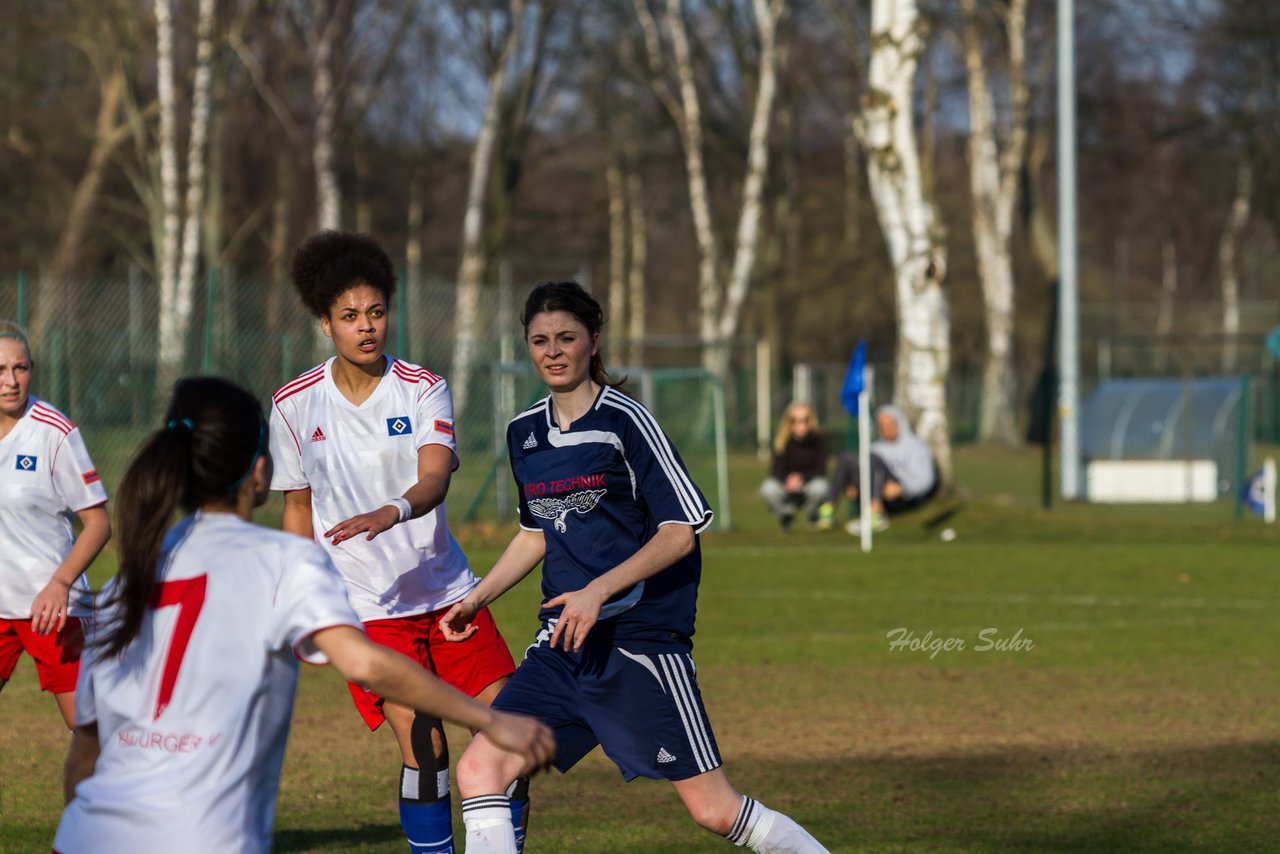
x,y
674,666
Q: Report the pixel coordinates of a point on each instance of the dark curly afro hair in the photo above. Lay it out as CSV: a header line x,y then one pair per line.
x,y
332,262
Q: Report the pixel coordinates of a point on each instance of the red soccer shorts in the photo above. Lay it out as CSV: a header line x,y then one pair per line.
x,y
57,655
470,665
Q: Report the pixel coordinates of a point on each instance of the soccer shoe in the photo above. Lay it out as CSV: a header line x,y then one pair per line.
x,y
879,522
826,516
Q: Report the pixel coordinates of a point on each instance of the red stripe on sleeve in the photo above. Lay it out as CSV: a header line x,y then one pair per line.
x,y
300,382
286,393
60,426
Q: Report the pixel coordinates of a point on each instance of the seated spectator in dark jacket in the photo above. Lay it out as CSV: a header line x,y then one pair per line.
x,y
797,479
903,472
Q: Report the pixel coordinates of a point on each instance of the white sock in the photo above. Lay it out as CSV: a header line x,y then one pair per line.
x,y
767,832
487,819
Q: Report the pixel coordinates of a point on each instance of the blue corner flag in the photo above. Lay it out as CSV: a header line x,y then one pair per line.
x,y
1254,493
853,378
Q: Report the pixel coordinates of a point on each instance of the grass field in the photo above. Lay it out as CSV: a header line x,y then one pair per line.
x,y
1142,716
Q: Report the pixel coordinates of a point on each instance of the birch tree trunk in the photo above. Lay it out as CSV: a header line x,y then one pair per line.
x,y
636,278
413,256
768,13
908,221
179,249
171,328
993,183
616,188
689,123
327,18
472,266
718,310
1236,224
197,145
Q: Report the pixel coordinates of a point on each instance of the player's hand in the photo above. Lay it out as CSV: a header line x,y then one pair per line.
x,y
49,608
527,738
456,623
794,482
580,611
374,523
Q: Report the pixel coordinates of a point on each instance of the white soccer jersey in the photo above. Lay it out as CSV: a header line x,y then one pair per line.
x,y
46,477
193,718
354,458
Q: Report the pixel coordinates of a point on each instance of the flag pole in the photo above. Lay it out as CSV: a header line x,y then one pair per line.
x,y
864,457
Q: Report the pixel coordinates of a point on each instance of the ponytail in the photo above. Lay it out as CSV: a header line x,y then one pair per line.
x,y
214,435
146,502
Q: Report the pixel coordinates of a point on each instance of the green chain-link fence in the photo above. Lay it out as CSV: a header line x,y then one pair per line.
x,y
95,346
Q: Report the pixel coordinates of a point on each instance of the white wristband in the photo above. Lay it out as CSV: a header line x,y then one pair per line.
x,y
403,507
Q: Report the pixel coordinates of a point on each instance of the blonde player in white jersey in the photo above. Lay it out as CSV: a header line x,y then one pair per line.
x,y
364,451
46,478
187,685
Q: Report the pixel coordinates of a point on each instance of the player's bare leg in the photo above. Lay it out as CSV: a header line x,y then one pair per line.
x,y
517,792
425,806
66,705
716,805
485,775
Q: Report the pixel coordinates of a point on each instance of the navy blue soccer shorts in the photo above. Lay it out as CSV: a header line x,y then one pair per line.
x,y
643,708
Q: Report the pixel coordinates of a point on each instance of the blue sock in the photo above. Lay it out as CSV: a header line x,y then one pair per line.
x,y
519,794
428,824
519,815
428,827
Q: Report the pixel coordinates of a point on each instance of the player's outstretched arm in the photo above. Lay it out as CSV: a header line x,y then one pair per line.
x,y
82,756
395,677
50,606
581,608
525,551
435,470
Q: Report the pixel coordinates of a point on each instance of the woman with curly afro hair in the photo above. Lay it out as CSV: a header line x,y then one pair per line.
x,y
364,450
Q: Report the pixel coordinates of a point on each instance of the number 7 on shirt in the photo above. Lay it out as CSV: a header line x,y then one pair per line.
x,y
188,595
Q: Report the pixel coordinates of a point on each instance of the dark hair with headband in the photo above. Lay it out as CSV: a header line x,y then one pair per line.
x,y
214,434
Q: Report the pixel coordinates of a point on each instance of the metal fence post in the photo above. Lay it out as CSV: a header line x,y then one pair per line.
x,y
22,299
764,398
210,310
1242,445
402,319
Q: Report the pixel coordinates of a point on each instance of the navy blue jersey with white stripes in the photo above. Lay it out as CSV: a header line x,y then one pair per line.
x,y
598,492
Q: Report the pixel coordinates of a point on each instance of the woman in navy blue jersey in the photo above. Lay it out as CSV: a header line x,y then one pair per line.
x,y
608,507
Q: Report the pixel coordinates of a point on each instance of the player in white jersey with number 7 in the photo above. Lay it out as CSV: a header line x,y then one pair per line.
x,y
187,685
46,476
364,449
